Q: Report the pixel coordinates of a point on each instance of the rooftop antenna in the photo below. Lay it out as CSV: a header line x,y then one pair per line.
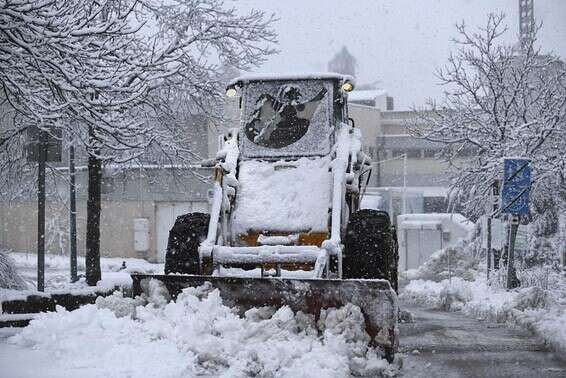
x,y
526,22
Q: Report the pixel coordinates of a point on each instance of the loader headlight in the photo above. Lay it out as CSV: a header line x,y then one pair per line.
x,y
231,92
347,87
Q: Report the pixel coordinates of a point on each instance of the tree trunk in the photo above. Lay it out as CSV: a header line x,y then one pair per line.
x,y
92,258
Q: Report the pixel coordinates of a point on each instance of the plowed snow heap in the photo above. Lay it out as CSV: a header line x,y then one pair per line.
x,y
287,190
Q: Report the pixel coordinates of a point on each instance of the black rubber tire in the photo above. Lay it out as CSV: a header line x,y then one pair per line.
x,y
369,247
185,237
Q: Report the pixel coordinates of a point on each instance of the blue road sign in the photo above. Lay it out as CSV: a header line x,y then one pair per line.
x,y
516,186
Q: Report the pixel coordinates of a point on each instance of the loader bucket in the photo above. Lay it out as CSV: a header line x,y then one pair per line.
x,y
375,298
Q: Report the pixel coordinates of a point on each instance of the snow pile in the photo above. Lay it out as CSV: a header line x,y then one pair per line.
x,y
283,196
449,295
119,305
198,335
9,277
536,309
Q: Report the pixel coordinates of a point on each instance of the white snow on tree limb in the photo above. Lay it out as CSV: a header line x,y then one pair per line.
x,y
499,101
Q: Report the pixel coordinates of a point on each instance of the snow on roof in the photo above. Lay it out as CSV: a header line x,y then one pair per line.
x,y
402,141
421,225
291,76
427,191
454,218
366,95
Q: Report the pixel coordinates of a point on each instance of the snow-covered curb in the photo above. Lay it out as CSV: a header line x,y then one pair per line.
x,y
541,311
111,281
115,274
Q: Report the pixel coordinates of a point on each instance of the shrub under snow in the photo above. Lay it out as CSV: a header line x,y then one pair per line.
x,y
9,277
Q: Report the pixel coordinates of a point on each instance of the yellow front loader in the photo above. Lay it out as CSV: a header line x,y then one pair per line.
x,y
285,227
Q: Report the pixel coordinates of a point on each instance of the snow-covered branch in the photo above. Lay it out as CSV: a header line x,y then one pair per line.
x,y
499,101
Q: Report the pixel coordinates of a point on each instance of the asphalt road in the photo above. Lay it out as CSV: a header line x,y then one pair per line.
x,y
442,344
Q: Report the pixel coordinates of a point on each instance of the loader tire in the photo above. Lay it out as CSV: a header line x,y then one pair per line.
x,y
370,247
185,237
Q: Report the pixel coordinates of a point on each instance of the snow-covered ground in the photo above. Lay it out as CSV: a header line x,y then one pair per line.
x,y
540,309
196,335
115,272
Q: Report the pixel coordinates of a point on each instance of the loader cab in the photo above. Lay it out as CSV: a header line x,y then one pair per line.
x,y
290,116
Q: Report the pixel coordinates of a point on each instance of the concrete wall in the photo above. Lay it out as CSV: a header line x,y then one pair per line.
x,y
127,194
18,229
231,113
422,170
368,120
420,235
19,225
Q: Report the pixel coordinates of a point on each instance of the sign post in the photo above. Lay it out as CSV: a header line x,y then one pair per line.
x,y
514,201
492,209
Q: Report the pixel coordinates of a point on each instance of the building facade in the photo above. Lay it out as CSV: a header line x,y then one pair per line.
x,y
405,171
140,202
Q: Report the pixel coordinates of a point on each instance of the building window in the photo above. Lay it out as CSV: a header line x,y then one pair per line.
x,y
413,153
390,104
397,153
371,152
363,102
107,185
429,153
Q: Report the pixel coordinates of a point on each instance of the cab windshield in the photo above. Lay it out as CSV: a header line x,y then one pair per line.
x,y
281,119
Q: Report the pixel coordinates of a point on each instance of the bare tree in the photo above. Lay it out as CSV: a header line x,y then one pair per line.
x,y
99,68
500,101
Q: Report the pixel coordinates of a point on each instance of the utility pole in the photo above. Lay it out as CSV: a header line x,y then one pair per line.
x,y
41,158
72,213
404,194
43,146
404,183
488,245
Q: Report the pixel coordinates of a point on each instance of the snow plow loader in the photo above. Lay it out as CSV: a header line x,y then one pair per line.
x,y
285,226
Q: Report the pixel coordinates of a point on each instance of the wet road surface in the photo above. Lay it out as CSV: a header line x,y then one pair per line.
x,y
448,344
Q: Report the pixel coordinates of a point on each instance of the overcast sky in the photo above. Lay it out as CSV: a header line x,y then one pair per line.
x,y
396,42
